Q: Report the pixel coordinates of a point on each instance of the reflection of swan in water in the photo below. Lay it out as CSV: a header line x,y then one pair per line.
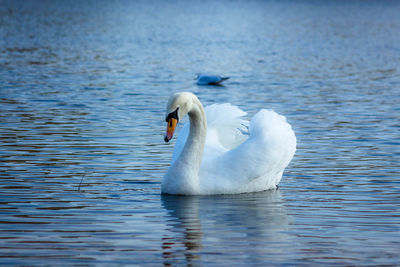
x,y
236,226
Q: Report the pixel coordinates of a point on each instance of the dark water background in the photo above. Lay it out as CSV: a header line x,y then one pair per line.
x,y
83,87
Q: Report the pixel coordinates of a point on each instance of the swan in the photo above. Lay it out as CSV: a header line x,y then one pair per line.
x,y
219,152
203,79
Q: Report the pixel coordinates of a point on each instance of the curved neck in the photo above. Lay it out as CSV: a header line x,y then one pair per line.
x,y
192,152
183,175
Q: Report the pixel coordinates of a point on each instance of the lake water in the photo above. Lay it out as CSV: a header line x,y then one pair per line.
x,y
82,103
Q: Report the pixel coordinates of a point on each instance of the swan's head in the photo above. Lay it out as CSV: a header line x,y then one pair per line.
x,y
178,106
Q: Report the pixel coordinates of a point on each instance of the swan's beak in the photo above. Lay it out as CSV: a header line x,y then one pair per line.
x,y
172,122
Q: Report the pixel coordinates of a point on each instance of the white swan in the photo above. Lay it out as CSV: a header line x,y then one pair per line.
x,y
215,156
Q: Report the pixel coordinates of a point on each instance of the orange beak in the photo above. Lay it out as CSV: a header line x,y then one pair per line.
x,y
172,122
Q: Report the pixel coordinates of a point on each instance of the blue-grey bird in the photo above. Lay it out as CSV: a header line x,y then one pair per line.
x,y
203,79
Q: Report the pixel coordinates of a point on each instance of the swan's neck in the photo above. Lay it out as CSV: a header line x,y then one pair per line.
x,y
183,175
192,153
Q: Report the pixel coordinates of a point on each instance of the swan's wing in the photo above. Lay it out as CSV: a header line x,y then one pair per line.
x,y
225,125
257,163
269,148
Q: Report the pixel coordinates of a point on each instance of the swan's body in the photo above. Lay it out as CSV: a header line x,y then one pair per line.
x,y
203,79
217,157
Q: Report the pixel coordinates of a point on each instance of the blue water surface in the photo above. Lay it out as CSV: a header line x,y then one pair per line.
x,y
83,91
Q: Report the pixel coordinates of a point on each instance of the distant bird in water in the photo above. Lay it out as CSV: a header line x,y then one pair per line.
x,y
203,79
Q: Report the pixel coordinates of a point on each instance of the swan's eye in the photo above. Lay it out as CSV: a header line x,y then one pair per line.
x,y
173,115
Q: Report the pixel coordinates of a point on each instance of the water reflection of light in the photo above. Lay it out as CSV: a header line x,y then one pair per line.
x,y
204,225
